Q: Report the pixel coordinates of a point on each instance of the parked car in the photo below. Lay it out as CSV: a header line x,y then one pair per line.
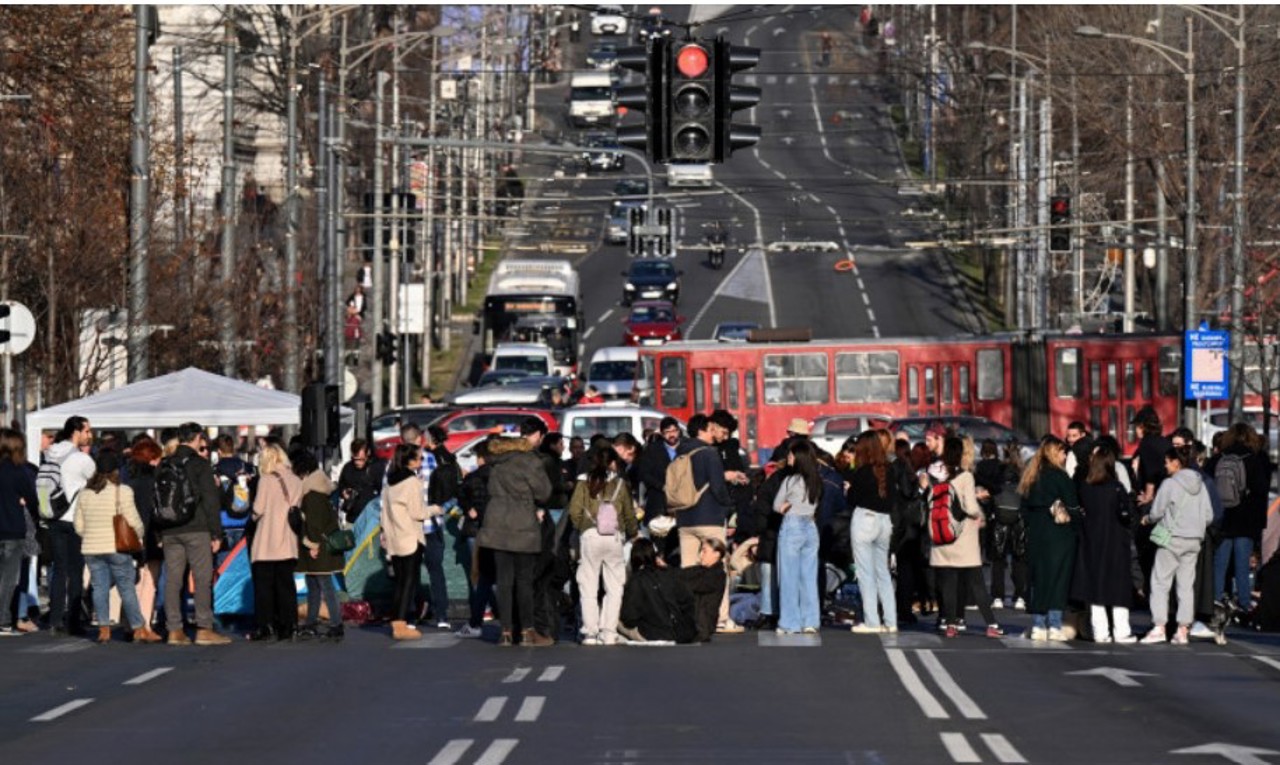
x,y
525,357
1217,420
830,432
532,390
652,322
386,426
613,371
608,420
465,424
733,331
608,20
979,428
651,279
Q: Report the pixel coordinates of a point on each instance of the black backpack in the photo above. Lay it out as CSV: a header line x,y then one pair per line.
x,y
175,500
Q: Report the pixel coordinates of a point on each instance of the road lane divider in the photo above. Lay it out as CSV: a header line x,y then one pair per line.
x,y
452,752
929,703
950,687
1001,748
517,674
148,676
498,751
959,747
491,709
551,674
59,711
531,709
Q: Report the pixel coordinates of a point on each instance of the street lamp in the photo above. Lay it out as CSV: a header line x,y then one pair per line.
x,y
1187,69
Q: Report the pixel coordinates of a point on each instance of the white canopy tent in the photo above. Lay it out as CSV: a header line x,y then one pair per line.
x,y
191,395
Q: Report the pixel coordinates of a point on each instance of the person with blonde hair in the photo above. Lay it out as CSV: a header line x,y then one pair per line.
x,y
273,549
1049,508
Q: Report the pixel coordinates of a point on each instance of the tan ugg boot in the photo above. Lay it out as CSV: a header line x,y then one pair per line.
x,y
404,631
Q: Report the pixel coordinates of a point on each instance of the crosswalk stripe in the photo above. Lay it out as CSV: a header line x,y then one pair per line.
x,y
517,674
1001,748
551,674
491,709
498,751
958,747
531,709
929,704
59,711
452,752
948,684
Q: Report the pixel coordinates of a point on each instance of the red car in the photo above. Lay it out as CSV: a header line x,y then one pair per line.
x,y
652,322
465,425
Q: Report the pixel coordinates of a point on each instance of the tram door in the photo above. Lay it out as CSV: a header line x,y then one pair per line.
x,y
1117,389
939,389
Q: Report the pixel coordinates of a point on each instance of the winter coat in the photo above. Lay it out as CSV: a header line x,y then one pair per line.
x,y
658,604
94,518
1249,517
142,479
559,498
77,469
707,586
318,519
1182,504
363,483
966,551
403,511
1102,575
200,477
714,506
474,495
652,469
584,508
768,522
16,488
273,538
1051,548
517,485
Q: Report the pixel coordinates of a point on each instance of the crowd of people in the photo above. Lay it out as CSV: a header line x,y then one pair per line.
x,y
649,539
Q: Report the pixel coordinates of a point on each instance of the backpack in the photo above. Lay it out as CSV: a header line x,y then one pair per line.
x,y
1008,504
944,529
1230,476
682,493
607,513
53,501
175,501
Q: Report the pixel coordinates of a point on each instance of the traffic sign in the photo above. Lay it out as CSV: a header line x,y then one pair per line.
x,y
1204,359
18,328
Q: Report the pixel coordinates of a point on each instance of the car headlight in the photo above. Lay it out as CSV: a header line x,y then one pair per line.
x,y
673,286
668,337
630,288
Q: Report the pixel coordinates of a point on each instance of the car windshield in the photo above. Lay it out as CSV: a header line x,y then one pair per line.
x,y
645,313
502,376
735,331
612,371
646,268
531,364
596,93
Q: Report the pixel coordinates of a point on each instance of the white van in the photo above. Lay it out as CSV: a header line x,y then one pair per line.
x,y
608,420
690,175
527,357
613,371
591,99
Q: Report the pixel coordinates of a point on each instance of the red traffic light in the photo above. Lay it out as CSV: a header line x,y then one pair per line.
x,y
692,61
1059,206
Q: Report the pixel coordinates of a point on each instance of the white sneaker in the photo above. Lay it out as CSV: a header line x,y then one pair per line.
x,y
997,603
1201,630
592,641
1056,635
1039,634
468,631
1126,639
1102,638
1154,637
1020,604
865,629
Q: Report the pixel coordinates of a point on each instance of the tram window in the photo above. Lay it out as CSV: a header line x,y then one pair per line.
x,y
749,382
1131,433
1113,412
733,390
1095,419
717,391
1170,367
1067,373
1146,381
795,378
964,384
699,393
930,386
990,375
1113,381
1095,381
913,385
867,377
675,391
1130,384
948,394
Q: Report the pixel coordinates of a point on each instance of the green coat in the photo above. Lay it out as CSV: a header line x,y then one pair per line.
x,y
1051,548
320,518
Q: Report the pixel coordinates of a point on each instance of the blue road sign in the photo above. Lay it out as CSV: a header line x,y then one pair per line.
x,y
1204,359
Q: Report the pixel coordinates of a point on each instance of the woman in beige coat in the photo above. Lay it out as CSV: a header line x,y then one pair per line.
x,y
273,550
103,497
403,510
958,566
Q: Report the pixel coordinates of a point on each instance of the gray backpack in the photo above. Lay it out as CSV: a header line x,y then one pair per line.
x,y
1229,474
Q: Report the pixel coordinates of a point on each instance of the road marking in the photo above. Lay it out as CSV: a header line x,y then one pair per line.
x,y
871,315
587,334
57,712
1001,748
517,674
958,747
145,676
531,708
551,674
491,709
1270,662
604,316
497,752
452,752
866,299
69,646
950,687
911,681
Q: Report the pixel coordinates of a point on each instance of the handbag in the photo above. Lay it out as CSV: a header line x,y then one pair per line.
x,y
1161,536
1061,515
127,540
296,518
340,540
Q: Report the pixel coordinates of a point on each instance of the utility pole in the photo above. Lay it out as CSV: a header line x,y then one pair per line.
x,y
1077,242
334,353
180,183
1043,255
379,252
393,282
291,220
1024,316
322,218
139,197
1237,243
332,304
1191,319
1013,266
228,319
428,245
1129,241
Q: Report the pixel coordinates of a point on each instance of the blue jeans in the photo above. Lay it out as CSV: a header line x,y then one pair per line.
x,y
322,586
433,559
869,534
1239,548
798,574
1052,620
768,589
114,568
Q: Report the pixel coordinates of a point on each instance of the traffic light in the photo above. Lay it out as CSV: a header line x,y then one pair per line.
x,y
636,217
667,242
386,347
650,98
1060,223
4,333
691,104
729,98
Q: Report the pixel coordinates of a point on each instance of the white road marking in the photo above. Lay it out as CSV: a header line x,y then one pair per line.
x,y
517,674
1001,748
551,674
452,752
950,687
768,282
865,299
871,315
587,335
911,681
531,708
958,747
491,708
1270,662
861,286
57,712
604,316
145,676
497,752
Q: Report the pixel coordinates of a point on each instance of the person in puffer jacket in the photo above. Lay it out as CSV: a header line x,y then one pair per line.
x,y
1182,505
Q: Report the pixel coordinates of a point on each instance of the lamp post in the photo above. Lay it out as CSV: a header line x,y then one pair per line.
x,y
1188,70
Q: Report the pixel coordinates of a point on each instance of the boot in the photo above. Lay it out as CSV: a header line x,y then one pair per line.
x,y
210,637
401,630
505,640
178,637
145,635
535,639
104,635
333,633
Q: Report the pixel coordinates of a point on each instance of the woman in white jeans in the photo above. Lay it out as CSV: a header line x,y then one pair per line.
x,y
1182,506
602,512
872,497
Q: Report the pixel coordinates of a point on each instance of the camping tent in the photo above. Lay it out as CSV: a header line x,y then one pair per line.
x,y
191,395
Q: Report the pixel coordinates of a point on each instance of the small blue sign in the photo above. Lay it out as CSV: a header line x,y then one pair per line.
x,y
1205,368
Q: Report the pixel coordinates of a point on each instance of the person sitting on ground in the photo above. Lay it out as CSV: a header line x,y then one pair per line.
x,y
706,581
656,605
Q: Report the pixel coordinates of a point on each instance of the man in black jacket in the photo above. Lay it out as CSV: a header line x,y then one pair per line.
x,y
1079,447
655,458
706,519
194,543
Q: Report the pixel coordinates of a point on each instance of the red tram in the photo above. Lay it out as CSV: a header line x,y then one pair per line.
x,y
1034,383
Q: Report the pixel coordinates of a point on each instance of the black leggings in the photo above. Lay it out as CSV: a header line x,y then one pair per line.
x,y
515,572
955,586
405,569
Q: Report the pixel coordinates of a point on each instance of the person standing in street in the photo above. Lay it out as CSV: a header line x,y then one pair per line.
x,y
958,565
274,547
872,495
69,461
1079,451
18,508
1103,572
601,511
316,560
439,489
797,502
658,453
360,480
1182,506
1049,508
404,508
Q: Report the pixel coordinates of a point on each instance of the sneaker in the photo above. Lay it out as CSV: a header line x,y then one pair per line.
x,y
1056,635
468,631
995,631
10,632
1039,634
1125,639
488,615
1020,604
1179,637
729,627
444,626
210,637
592,641
26,625
1102,638
997,603
810,630
951,631
889,629
961,626
782,631
1154,637
865,629
630,634
1201,630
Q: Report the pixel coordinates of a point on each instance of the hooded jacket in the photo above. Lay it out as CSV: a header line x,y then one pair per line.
x,y
77,468
517,485
318,519
1182,504
403,511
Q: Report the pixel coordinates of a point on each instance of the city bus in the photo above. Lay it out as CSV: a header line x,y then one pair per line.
x,y
533,301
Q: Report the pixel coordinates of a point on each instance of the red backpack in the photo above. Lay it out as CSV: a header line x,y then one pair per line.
x,y
943,527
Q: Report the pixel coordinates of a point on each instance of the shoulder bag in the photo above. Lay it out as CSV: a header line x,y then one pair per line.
x,y
127,540
296,518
